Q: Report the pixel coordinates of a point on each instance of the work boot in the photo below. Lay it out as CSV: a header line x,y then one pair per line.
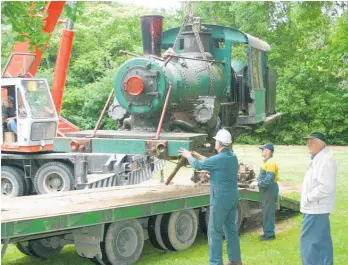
x,y
267,238
234,263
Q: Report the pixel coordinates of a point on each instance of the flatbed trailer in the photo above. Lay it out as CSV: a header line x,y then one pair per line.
x,y
109,225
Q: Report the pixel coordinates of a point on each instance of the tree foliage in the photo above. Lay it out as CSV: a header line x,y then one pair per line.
x,y
309,51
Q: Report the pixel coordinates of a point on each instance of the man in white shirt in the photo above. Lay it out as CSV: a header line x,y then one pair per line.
x,y
317,202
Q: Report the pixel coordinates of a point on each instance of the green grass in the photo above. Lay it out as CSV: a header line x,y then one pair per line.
x,y
284,251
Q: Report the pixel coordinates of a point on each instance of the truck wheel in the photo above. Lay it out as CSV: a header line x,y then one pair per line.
x,y
12,182
45,247
54,177
28,183
123,243
179,229
25,249
154,229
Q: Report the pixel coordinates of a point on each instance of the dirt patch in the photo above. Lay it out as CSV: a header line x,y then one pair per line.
x,y
289,187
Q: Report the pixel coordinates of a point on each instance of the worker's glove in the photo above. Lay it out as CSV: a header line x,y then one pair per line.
x,y
254,184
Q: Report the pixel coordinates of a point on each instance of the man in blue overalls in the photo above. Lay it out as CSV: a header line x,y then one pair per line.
x,y
224,197
268,187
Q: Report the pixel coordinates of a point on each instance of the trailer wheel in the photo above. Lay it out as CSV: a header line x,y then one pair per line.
x,y
154,229
179,229
25,249
123,243
204,219
45,247
54,177
12,182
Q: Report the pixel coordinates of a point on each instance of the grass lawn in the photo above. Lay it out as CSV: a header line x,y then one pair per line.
x,y
284,251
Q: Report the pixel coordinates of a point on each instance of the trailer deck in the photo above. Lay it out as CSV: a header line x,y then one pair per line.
x,y
25,216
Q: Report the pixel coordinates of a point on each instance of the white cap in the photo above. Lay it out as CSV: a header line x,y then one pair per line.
x,y
223,136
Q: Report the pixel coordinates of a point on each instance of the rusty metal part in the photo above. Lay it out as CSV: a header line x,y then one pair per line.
x,y
197,156
180,164
157,147
245,174
200,176
166,102
102,114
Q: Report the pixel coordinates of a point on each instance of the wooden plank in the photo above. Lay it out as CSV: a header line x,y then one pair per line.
x,y
33,207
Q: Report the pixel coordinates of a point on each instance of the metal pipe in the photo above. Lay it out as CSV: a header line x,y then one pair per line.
x,y
198,59
163,112
69,22
102,114
61,69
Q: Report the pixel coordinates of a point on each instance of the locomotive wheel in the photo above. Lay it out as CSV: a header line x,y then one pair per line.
x,y
25,249
45,247
204,219
54,177
123,243
12,182
154,229
179,229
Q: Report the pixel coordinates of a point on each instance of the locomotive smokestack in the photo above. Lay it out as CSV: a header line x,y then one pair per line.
x,y
152,29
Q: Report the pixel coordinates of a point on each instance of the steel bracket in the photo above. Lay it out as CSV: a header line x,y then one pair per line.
x,y
157,148
87,241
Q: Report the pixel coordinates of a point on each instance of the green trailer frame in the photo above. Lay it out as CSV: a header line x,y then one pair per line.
x,y
90,222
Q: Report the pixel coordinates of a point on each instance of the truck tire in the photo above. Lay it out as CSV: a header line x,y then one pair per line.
x,y
179,229
28,183
25,249
12,182
123,243
54,177
204,220
43,248
154,229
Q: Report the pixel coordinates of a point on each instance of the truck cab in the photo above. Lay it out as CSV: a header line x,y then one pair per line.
x,y
35,115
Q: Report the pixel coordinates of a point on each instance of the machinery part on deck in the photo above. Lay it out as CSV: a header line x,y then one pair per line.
x,y
123,243
25,249
54,177
154,229
179,229
200,176
204,218
12,182
45,247
245,174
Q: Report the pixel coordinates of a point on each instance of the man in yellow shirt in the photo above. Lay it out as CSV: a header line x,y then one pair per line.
x,y
268,187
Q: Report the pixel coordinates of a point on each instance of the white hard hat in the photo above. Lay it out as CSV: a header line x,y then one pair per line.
x,y
223,136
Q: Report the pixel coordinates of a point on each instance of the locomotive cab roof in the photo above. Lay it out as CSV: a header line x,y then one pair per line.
x,y
235,36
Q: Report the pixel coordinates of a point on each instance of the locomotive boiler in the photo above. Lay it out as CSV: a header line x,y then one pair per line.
x,y
199,84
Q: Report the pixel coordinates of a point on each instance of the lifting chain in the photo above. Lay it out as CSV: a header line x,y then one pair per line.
x,y
196,26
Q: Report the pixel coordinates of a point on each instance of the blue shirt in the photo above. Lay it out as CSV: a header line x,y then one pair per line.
x,y
223,168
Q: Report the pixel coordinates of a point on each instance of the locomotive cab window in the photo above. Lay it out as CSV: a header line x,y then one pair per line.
x,y
256,69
